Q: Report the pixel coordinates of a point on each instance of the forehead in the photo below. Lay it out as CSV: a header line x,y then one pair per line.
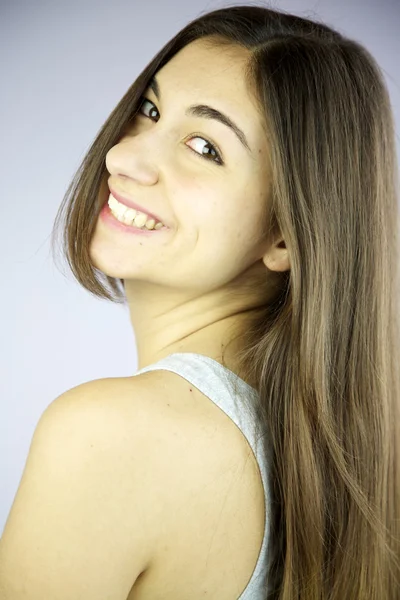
x,y
201,68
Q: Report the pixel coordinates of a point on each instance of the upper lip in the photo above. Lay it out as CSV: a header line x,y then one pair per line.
x,y
128,202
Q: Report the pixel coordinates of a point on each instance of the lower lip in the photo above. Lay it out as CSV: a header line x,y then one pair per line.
x,y
107,216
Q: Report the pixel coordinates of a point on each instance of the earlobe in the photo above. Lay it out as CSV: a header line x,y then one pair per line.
x,y
277,264
277,259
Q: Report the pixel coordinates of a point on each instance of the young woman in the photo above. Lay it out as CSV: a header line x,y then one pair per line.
x,y
241,199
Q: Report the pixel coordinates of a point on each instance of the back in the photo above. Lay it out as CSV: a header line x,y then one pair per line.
x,y
238,543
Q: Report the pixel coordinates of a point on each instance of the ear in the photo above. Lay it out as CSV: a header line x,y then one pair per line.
x,y
277,257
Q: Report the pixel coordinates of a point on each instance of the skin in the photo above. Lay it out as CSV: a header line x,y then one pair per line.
x,y
178,283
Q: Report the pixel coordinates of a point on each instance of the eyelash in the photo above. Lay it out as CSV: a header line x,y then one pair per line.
x,y
204,156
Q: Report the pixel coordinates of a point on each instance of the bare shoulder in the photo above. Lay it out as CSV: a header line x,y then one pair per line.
x,y
185,440
201,499
164,430
119,469
80,525
163,419
157,407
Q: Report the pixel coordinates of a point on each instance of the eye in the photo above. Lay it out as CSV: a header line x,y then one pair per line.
x,y
217,155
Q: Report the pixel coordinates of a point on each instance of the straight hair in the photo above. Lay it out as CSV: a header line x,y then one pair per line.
x,y
323,352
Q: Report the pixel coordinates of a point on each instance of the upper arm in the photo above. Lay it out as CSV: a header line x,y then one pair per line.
x,y
78,527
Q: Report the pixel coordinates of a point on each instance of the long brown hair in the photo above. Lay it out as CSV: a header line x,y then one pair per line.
x,y
324,351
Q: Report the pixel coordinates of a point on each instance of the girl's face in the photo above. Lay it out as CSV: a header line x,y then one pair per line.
x,y
207,181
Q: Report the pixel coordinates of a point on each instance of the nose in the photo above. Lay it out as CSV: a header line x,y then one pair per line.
x,y
126,161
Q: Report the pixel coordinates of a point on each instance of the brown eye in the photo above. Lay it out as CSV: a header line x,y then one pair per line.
x,y
152,109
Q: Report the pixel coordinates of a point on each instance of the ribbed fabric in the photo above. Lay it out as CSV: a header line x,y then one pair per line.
x,y
236,398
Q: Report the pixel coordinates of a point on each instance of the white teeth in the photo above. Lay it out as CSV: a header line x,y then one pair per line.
x,y
140,219
130,216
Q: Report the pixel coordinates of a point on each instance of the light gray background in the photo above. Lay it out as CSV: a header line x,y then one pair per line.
x,y
63,68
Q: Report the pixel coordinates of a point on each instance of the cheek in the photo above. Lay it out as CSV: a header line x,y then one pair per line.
x,y
238,225
243,236
231,238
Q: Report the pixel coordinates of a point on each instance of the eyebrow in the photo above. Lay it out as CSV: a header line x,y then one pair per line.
x,y
207,112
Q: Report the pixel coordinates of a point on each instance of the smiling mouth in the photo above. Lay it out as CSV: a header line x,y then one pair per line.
x,y
132,217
